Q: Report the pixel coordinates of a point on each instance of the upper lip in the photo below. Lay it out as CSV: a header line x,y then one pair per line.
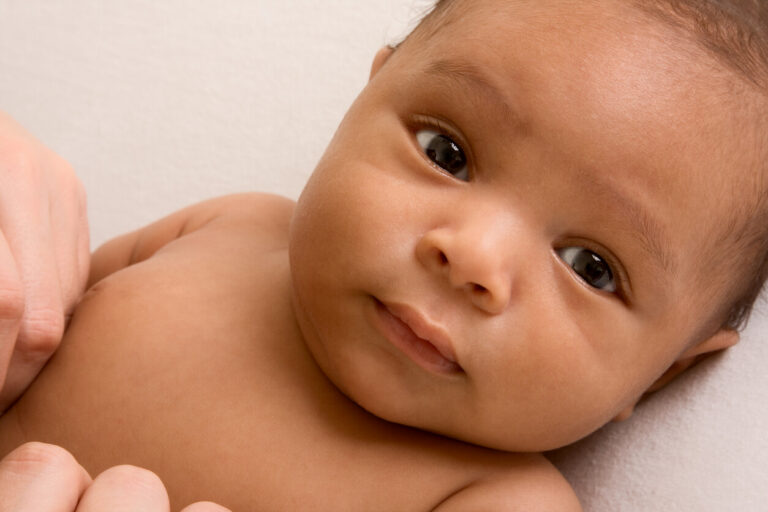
x,y
424,328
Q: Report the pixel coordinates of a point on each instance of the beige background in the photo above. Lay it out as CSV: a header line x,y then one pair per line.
x,y
159,104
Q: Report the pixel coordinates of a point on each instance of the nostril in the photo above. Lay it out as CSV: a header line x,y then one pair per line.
x,y
443,258
479,288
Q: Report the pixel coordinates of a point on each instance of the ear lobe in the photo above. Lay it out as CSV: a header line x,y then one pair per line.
x,y
382,56
721,340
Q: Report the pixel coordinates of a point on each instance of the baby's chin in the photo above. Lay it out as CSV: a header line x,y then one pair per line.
x,y
507,436
456,426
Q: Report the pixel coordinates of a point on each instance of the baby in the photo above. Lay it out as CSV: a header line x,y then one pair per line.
x,y
534,213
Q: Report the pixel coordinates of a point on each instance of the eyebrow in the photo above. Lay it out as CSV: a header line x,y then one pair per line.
x,y
651,235
653,238
466,74
461,70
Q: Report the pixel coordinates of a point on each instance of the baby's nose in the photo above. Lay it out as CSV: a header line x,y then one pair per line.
x,y
473,258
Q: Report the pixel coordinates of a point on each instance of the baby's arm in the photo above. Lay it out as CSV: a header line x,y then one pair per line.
x,y
536,490
134,247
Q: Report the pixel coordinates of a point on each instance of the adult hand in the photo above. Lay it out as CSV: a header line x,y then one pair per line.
x,y
40,477
44,255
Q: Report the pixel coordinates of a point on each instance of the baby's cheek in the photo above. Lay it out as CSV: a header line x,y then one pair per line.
x,y
557,391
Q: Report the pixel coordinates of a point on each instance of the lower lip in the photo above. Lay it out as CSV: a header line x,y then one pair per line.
x,y
419,350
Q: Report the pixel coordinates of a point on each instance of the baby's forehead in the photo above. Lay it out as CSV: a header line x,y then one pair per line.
x,y
703,114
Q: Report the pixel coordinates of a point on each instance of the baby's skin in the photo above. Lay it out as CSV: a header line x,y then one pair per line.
x,y
191,364
507,244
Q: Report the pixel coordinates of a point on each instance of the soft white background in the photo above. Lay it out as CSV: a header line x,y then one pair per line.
x,y
159,104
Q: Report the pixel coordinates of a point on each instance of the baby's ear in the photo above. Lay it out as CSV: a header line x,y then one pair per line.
x,y
721,340
381,57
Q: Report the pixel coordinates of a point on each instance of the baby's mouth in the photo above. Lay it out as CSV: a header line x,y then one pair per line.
x,y
424,342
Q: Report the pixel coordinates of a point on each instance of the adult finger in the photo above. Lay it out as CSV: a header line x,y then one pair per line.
x,y
125,489
11,311
205,506
83,239
39,477
25,222
62,221
25,225
68,228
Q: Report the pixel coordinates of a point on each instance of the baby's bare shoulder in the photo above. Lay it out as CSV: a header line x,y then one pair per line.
x,y
253,218
267,208
265,218
265,213
534,485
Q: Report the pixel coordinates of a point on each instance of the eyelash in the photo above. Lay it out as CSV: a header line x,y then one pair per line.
x,y
421,121
619,274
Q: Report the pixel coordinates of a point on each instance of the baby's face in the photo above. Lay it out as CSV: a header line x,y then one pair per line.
x,y
504,241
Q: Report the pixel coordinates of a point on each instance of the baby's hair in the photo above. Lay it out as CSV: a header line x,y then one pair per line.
x,y
735,33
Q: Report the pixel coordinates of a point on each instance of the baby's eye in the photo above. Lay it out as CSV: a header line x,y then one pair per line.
x,y
590,267
444,152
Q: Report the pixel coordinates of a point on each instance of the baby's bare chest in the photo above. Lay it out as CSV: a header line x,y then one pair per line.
x,y
194,369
